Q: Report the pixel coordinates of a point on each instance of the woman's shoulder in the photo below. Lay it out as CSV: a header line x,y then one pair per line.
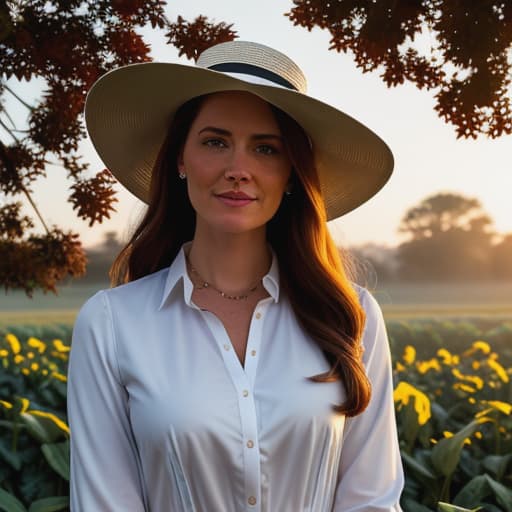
x,y
146,290
367,300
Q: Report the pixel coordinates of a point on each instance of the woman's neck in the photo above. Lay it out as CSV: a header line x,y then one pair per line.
x,y
232,263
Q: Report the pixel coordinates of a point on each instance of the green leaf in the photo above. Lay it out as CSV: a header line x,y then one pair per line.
x,y
446,507
473,492
497,464
503,494
44,429
414,506
410,422
416,467
57,455
50,504
12,458
9,503
446,453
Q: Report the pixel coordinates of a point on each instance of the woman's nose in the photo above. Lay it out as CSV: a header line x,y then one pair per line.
x,y
238,169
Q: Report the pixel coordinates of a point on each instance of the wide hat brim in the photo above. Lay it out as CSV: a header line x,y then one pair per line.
x,y
128,112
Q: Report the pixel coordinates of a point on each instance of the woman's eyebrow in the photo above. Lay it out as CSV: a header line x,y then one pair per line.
x,y
227,133
214,129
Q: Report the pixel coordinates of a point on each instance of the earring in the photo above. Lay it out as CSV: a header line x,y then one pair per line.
x,y
182,175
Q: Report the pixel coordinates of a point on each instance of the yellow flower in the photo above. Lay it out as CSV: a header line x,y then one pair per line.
x,y
45,372
475,365
3,352
51,416
483,346
448,434
59,355
60,377
502,374
404,391
38,344
34,367
25,403
18,358
409,354
448,358
7,405
60,346
14,343
30,355
400,367
474,379
425,366
464,387
503,407
471,400
478,434
25,371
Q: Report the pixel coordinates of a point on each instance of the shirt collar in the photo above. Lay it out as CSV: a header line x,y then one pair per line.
x,y
178,273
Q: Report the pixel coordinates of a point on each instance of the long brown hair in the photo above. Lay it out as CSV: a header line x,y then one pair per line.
x,y
312,273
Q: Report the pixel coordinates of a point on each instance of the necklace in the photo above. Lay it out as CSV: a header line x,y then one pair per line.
x,y
206,284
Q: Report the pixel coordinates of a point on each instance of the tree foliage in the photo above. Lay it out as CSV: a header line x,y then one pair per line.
x,y
67,44
467,60
450,238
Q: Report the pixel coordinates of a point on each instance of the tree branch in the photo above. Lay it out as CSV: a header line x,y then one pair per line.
x,y
8,116
7,88
9,131
31,201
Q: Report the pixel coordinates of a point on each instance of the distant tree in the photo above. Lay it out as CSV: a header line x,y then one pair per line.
x,y
450,238
466,59
443,212
502,258
67,44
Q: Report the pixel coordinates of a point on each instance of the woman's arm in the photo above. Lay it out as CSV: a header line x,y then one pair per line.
x,y
371,475
105,468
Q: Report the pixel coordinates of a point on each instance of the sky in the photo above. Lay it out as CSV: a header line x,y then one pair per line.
x,y
429,158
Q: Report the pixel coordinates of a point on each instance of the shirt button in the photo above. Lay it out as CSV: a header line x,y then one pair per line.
x,y
258,315
250,444
226,346
245,392
251,500
253,352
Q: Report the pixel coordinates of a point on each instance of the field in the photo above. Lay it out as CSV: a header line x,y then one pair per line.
x,y
398,301
452,370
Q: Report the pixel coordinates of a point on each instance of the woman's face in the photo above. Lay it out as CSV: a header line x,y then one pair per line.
x,y
236,164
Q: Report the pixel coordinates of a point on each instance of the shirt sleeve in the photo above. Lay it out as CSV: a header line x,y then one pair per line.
x,y
371,476
105,468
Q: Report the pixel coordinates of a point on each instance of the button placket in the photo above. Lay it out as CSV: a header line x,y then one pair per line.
x,y
243,380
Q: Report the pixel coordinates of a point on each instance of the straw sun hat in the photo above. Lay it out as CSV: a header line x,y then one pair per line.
x,y
129,109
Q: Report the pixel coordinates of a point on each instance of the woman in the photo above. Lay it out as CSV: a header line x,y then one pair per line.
x,y
233,366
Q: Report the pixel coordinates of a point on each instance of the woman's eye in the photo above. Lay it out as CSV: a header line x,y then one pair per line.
x,y
266,149
214,143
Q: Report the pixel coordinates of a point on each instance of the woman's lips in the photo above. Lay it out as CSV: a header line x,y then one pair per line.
x,y
235,198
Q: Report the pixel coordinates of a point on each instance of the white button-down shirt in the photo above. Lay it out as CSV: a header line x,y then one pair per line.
x,y
164,418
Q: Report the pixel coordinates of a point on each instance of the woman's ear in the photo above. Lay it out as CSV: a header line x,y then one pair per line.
x,y
179,162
